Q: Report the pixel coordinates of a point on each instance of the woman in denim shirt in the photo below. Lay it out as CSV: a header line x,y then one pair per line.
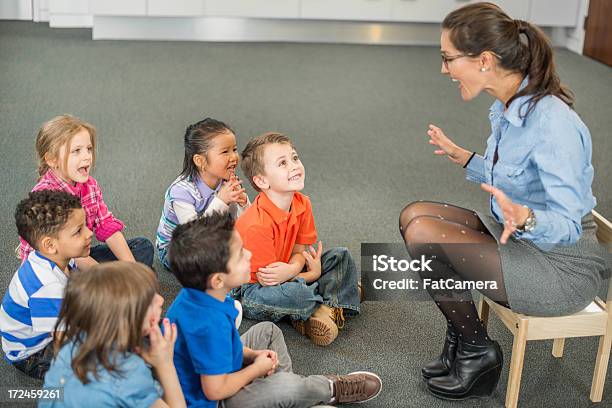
x,y
537,248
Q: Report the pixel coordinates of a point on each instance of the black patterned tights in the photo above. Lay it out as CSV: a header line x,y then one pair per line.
x,y
462,250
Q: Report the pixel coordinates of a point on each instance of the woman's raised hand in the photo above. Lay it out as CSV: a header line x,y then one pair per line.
x,y
446,147
514,214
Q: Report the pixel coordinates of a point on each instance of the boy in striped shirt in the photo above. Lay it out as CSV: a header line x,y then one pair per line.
x,y
53,223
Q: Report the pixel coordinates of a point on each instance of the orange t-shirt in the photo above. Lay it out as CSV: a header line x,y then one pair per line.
x,y
271,233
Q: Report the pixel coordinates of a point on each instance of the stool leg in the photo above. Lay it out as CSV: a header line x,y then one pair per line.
x,y
601,366
483,311
516,365
557,350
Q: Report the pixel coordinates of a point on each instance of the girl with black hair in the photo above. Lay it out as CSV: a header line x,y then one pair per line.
x,y
207,183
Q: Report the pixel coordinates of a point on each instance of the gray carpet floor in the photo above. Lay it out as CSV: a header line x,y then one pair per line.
x,y
358,116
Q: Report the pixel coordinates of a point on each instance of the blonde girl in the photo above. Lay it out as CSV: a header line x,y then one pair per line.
x,y
66,149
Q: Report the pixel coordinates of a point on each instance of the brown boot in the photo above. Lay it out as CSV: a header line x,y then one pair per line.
x,y
320,328
361,292
360,386
336,314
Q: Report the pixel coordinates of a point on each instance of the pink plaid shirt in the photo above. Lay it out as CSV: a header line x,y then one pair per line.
x,y
98,218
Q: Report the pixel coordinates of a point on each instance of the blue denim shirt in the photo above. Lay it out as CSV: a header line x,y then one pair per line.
x,y
544,162
133,387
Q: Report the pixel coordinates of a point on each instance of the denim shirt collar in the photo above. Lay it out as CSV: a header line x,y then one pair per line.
x,y
517,108
204,299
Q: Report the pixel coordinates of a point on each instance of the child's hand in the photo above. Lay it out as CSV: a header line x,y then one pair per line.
x,y
270,354
231,192
243,200
313,258
275,274
265,363
161,351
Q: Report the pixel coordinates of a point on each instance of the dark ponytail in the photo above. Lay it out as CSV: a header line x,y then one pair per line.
x,y
198,139
520,46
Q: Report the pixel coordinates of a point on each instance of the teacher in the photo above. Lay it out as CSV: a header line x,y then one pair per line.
x,y
538,243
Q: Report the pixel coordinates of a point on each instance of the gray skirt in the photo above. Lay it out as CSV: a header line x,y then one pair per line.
x,y
558,282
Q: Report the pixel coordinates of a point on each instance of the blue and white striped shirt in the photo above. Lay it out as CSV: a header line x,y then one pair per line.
x,y
30,306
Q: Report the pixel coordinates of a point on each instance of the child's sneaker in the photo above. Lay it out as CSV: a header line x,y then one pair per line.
x,y
360,386
320,328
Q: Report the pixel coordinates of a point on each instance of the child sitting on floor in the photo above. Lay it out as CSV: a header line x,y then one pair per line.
x,y
213,362
53,223
279,230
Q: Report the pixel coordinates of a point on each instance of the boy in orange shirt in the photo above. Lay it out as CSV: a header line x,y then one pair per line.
x,y
289,277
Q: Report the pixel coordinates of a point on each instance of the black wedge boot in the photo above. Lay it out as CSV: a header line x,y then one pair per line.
x,y
441,366
474,374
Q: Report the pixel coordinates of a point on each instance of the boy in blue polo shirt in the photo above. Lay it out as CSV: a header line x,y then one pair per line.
x,y
53,223
212,361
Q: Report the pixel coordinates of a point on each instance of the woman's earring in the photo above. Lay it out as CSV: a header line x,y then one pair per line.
x,y
483,69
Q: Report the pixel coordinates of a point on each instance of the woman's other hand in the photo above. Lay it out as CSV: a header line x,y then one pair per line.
x,y
515,215
446,147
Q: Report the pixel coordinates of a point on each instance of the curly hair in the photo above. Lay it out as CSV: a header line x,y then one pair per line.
x,y
44,213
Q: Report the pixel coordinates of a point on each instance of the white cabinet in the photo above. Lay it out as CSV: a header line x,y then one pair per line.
x,y
372,10
175,8
434,11
253,8
423,11
15,10
562,13
119,7
68,7
517,9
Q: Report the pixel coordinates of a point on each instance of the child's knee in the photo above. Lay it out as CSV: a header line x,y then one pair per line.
x,y
142,249
267,328
338,255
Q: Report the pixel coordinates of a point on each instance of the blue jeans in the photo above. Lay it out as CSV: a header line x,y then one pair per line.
x,y
162,254
141,248
37,365
337,287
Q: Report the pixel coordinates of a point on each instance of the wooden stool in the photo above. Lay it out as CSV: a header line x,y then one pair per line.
x,y
594,320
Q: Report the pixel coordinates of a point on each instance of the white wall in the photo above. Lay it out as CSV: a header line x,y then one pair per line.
x,y
40,10
575,36
15,9
563,19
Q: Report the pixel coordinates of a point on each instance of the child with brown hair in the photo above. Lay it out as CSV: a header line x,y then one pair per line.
x,y
289,277
219,368
110,316
66,149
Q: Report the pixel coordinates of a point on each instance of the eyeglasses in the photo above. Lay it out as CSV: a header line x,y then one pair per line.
x,y
450,58
447,59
